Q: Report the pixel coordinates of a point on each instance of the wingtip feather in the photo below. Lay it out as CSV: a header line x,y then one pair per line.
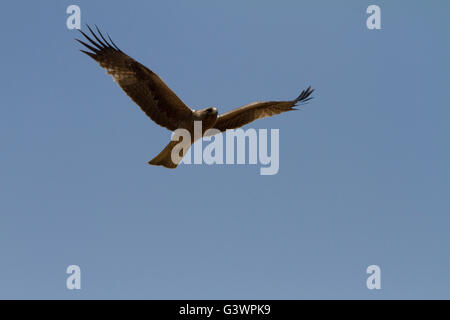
x,y
305,96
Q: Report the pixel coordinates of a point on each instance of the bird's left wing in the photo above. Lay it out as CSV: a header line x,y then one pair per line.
x,y
141,84
243,115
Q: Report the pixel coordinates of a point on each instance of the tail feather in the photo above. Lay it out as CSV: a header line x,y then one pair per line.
x,y
164,158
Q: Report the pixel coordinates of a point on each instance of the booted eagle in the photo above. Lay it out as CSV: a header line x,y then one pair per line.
x,y
164,107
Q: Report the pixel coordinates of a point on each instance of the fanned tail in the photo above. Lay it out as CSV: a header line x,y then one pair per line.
x,y
164,158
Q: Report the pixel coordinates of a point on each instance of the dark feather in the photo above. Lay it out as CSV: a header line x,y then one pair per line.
x,y
141,84
246,114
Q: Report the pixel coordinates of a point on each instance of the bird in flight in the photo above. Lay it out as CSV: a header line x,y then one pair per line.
x,y
164,107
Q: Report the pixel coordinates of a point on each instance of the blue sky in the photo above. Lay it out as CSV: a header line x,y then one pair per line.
x,y
363,176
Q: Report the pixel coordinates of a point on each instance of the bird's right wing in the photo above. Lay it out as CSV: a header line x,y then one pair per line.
x,y
244,115
141,84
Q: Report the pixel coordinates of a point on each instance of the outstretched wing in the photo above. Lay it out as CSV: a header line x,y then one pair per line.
x,y
141,84
243,115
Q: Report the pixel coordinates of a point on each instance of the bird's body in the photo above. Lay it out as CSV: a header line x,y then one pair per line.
x,y
164,107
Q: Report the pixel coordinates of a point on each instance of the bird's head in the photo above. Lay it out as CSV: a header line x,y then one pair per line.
x,y
210,111
206,113
208,116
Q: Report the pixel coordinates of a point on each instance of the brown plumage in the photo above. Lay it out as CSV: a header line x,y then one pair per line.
x,y
163,106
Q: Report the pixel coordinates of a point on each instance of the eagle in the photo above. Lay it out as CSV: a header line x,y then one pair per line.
x,y
163,106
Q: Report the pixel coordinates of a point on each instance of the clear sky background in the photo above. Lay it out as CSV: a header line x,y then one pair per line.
x,y
364,168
